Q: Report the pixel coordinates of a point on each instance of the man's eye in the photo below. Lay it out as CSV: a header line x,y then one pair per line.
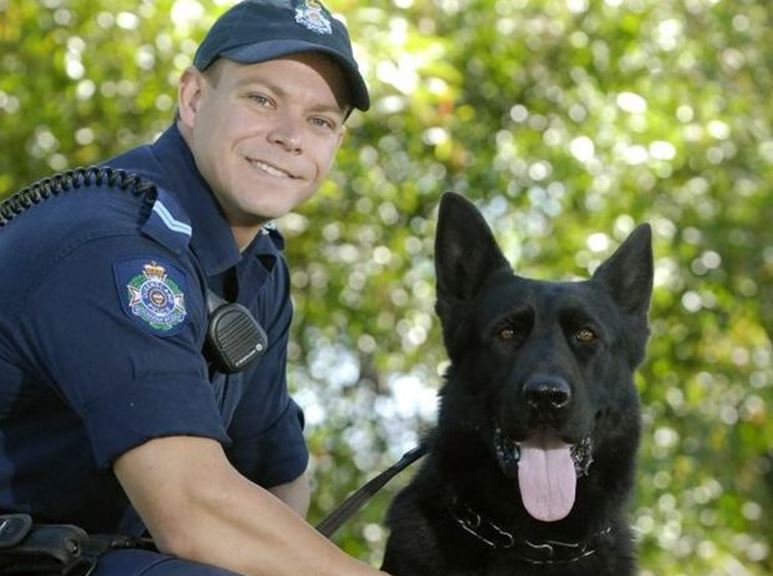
x,y
323,123
260,99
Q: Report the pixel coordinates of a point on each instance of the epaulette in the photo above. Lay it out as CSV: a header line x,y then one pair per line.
x,y
168,224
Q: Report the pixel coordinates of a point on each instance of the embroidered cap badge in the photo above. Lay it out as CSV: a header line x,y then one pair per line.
x,y
312,15
156,299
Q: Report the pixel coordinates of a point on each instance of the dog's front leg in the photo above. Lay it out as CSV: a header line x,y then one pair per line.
x,y
412,550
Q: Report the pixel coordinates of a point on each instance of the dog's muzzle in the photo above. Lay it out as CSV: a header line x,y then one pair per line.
x,y
547,470
508,454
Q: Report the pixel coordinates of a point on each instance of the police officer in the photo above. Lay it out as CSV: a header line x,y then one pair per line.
x,y
111,416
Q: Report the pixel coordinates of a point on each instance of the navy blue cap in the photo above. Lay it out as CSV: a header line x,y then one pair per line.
x,y
259,30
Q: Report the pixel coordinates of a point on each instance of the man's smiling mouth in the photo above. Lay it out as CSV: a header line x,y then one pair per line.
x,y
269,169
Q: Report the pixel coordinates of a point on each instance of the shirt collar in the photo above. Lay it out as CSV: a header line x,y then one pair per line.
x,y
212,240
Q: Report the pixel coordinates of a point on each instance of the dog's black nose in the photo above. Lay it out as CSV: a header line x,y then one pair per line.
x,y
547,393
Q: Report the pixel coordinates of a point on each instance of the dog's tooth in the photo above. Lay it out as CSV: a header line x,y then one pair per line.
x,y
517,451
582,454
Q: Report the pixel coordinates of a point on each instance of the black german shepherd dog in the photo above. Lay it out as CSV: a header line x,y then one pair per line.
x,y
533,457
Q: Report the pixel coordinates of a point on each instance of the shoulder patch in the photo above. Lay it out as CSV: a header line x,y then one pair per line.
x,y
152,293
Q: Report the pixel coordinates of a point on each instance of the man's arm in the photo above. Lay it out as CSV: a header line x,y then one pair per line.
x,y
198,507
296,494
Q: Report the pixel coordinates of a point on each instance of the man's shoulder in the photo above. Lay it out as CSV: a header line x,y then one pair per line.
x,y
141,162
87,206
84,199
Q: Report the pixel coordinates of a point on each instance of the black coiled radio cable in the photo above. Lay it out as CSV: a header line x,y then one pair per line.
x,y
61,182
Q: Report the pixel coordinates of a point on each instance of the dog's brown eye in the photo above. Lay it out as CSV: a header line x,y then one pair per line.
x,y
585,336
506,334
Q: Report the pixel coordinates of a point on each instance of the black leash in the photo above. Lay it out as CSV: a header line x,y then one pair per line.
x,y
357,500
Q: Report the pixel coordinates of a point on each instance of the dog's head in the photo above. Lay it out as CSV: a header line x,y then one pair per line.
x,y
541,372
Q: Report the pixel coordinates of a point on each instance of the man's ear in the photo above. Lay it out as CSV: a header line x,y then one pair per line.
x,y
189,93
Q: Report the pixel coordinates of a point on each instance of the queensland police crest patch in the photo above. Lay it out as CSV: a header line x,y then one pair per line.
x,y
312,15
154,294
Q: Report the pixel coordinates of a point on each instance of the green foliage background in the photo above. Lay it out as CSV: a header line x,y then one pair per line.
x,y
567,121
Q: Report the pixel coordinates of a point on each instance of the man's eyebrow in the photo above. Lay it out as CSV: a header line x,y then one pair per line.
x,y
253,79
270,86
334,109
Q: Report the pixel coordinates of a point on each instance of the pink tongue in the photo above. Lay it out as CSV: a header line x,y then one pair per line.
x,y
547,479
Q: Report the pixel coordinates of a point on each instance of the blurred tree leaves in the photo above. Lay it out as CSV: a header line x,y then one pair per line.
x,y
568,122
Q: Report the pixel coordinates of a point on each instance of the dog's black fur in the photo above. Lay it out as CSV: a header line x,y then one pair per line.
x,y
528,359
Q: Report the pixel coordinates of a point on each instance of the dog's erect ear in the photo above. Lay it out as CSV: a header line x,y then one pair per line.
x,y
466,252
628,272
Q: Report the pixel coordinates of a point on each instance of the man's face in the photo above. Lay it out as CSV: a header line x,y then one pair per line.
x,y
264,135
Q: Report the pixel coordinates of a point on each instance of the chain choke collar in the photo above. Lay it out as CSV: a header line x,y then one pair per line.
x,y
544,552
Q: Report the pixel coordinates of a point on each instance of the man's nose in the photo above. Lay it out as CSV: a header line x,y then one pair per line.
x,y
287,133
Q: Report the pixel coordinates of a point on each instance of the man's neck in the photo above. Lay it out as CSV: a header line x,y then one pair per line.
x,y
244,235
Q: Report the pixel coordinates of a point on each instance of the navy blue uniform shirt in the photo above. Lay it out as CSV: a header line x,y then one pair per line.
x,y
102,322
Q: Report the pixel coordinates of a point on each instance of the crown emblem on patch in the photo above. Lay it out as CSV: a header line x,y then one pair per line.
x,y
153,270
312,15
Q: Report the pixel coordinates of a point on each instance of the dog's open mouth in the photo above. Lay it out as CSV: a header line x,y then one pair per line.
x,y
547,469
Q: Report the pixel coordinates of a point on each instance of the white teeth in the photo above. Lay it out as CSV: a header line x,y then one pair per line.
x,y
268,169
